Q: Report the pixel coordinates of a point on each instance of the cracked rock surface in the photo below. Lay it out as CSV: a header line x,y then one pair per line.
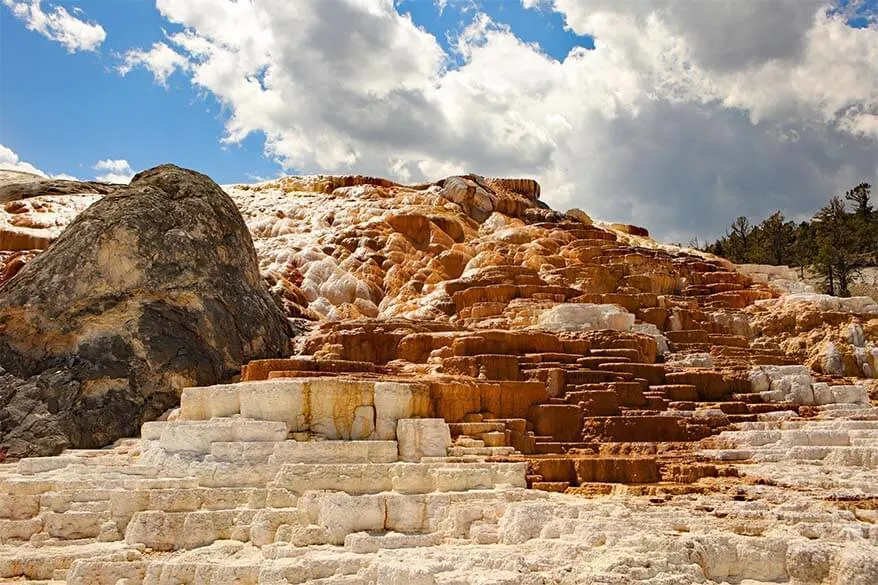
x,y
152,288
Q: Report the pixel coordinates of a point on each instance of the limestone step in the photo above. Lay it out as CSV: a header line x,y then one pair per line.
x,y
480,451
474,429
512,424
551,486
649,429
595,402
739,418
750,397
733,407
831,456
656,403
261,369
362,542
768,407
711,385
726,454
653,373
677,392
687,336
792,437
280,452
596,376
632,355
738,341
549,448
196,436
401,477
494,438
333,407
43,563
564,358
468,442
595,362
586,469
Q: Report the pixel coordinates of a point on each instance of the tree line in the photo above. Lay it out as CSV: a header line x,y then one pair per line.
x,y
835,244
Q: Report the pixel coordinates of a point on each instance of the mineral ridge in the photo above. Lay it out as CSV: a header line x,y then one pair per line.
x,y
479,390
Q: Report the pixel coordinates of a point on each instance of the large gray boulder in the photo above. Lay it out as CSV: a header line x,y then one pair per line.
x,y
153,288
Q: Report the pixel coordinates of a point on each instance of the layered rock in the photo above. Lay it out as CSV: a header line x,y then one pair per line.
x,y
151,289
217,497
831,335
465,342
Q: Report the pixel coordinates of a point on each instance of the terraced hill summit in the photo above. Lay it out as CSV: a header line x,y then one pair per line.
x,y
476,389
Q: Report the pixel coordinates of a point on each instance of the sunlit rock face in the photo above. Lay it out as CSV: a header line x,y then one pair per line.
x,y
152,288
485,391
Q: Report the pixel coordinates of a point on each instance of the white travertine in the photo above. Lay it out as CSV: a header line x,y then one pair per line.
x,y
232,500
425,437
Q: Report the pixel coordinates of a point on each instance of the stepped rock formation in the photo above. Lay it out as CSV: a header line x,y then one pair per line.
x,y
486,391
153,288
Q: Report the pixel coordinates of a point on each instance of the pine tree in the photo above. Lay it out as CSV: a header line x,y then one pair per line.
x,y
864,222
837,259
739,240
804,247
859,196
775,236
836,243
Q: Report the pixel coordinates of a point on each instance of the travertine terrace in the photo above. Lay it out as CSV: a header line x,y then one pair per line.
x,y
487,391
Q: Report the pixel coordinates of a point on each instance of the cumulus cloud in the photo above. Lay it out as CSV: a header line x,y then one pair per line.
x,y
108,170
74,34
160,60
685,114
9,161
114,171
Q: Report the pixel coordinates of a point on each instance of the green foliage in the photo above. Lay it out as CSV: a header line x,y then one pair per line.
x,y
859,196
835,244
837,259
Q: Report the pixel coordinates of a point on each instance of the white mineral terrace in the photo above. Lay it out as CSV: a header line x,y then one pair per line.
x,y
213,496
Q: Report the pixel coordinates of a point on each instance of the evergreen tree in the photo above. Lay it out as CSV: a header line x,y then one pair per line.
x,y
804,247
836,259
835,243
865,222
859,196
739,240
775,237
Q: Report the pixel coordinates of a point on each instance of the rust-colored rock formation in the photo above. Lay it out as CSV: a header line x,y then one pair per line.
x,y
597,353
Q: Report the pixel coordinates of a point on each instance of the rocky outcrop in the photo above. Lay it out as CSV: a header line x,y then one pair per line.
x,y
153,288
466,343
834,336
29,189
220,493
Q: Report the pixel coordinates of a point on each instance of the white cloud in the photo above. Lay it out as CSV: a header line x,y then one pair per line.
x,y
114,171
684,116
9,161
161,60
59,25
109,170
65,177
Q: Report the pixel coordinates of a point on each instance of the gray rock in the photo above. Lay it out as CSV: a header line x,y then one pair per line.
x,y
153,288
26,190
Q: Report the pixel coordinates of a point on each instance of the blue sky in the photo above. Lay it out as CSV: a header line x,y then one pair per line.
x,y
67,111
673,114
